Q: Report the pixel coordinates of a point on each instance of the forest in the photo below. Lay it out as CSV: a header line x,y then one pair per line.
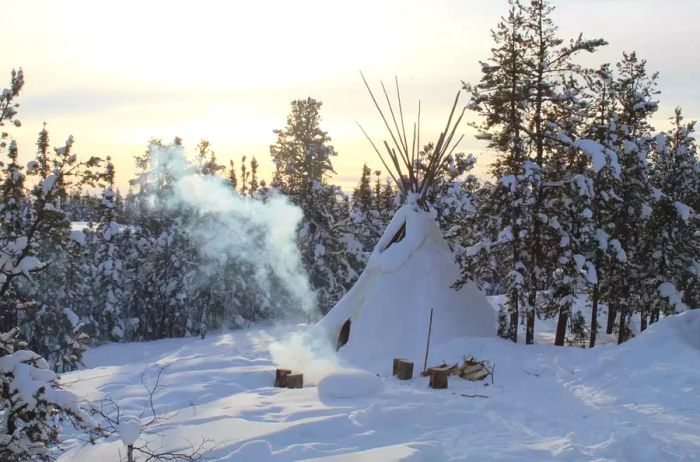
x,y
585,199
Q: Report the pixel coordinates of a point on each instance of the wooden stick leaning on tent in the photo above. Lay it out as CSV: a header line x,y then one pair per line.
x,y
427,346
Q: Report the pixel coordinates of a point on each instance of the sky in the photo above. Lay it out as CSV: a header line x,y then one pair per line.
x,y
116,74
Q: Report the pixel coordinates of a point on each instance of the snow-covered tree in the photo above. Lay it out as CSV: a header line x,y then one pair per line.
x,y
32,405
525,101
603,250
302,157
635,91
33,229
670,246
499,98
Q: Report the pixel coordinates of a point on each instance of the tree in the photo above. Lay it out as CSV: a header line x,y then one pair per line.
x,y
302,153
32,405
524,95
366,221
498,98
635,90
302,157
603,251
670,247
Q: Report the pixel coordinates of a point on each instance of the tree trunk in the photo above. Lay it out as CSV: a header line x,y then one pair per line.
x,y
612,312
514,324
514,310
130,453
561,327
655,313
621,335
530,317
643,320
594,316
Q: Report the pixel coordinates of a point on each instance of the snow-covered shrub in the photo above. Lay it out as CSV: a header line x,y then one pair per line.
x,y
32,405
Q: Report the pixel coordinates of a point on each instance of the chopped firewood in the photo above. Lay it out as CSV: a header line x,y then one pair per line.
x,y
471,369
295,380
474,370
404,369
281,377
438,377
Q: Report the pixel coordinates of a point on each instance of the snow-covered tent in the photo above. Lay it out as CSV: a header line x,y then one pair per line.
x,y
411,271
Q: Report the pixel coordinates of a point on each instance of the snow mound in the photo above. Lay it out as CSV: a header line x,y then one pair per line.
x,y
387,312
348,384
682,330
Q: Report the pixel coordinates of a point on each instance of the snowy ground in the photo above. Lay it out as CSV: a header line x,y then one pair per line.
x,y
636,402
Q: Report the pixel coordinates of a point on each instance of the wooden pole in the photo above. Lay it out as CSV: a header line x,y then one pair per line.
x,y
427,346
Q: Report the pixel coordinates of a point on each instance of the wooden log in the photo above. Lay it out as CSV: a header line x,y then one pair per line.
x,y
404,369
281,377
295,380
395,366
438,377
450,369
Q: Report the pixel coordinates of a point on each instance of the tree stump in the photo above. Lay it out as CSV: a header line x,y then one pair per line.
x,y
295,380
438,377
396,365
404,369
281,377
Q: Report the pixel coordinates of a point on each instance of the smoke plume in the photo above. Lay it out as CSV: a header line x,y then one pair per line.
x,y
229,226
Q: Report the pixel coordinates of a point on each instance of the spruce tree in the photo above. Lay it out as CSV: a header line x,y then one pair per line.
x,y
302,157
499,99
635,91
670,247
524,99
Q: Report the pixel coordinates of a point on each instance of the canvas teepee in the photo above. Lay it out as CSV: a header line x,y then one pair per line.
x,y
412,269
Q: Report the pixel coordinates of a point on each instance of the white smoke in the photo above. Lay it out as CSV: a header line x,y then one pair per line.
x,y
309,352
261,234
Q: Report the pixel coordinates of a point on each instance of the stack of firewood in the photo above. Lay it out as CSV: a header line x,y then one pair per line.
x,y
471,369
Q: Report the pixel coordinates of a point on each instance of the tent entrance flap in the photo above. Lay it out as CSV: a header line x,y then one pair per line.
x,y
344,335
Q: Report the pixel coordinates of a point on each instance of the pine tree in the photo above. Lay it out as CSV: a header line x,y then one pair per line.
x,y
302,153
523,97
31,403
670,246
108,265
302,157
366,221
635,90
499,99
603,251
